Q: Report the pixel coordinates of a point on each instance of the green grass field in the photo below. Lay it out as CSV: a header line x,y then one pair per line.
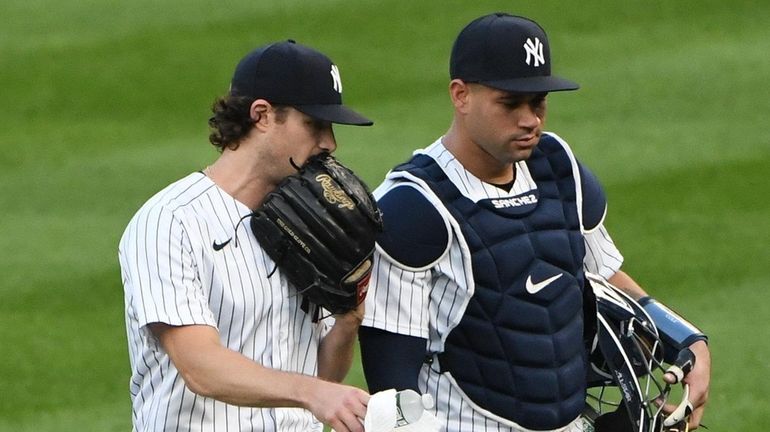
x,y
103,102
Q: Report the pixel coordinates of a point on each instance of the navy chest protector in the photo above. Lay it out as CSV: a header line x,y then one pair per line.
x,y
519,350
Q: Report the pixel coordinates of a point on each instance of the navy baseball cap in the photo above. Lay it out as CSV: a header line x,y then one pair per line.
x,y
506,52
288,73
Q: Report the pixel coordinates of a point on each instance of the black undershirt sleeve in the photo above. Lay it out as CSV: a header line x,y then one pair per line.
x,y
390,360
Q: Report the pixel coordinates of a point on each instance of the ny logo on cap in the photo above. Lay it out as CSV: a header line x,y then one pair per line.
x,y
337,80
534,49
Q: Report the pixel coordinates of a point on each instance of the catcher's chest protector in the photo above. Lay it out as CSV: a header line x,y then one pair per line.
x,y
518,351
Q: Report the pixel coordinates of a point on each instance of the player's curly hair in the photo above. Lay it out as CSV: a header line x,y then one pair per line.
x,y
231,121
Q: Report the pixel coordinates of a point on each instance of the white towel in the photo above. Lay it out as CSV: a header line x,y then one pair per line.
x,y
381,415
381,412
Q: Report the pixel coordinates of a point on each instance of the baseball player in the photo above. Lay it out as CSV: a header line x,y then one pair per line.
x,y
218,340
477,293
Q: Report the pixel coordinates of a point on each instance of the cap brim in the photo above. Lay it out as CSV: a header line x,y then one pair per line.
x,y
339,114
537,84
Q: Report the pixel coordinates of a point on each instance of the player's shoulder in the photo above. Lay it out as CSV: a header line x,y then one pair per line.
x,y
180,193
166,203
594,199
415,234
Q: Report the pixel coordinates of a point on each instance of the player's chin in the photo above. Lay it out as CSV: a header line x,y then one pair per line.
x,y
521,153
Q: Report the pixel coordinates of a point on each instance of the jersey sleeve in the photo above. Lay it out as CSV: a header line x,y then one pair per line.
x,y
414,237
160,274
602,256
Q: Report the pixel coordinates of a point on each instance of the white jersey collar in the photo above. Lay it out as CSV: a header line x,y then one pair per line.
x,y
471,186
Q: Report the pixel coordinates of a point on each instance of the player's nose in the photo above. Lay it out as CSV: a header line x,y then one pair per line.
x,y
528,118
326,140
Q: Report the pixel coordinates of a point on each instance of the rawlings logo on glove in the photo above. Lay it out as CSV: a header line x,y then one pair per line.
x,y
333,194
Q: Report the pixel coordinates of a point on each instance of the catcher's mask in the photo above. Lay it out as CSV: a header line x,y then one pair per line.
x,y
625,380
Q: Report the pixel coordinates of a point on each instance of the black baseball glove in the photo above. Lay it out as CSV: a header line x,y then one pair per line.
x,y
319,226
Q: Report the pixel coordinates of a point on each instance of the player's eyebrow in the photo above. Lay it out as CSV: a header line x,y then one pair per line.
x,y
517,98
511,98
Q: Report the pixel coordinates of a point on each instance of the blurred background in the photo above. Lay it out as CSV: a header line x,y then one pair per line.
x,y
104,102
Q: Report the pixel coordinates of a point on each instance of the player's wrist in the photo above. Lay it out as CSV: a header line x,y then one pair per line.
x,y
676,332
305,392
701,350
351,319
345,329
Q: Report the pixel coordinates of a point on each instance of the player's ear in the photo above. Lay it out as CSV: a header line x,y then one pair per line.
x,y
258,112
459,91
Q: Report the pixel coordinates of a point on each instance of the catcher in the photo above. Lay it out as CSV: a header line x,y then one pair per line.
x,y
223,328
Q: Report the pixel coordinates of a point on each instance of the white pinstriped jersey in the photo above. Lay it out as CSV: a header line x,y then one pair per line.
x,y
172,274
429,302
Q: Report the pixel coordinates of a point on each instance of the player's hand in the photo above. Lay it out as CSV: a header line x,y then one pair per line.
x,y
341,407
698,379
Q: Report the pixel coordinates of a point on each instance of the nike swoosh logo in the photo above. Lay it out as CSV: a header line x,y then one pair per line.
x,y
219,246
534,288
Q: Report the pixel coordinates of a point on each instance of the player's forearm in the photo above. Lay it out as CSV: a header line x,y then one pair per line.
x,y
623,281
230,377
335,354
212,370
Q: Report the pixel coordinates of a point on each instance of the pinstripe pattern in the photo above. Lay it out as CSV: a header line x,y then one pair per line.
x,y
172,274
398,294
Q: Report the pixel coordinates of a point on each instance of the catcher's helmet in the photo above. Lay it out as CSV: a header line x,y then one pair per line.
x,y
626,367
